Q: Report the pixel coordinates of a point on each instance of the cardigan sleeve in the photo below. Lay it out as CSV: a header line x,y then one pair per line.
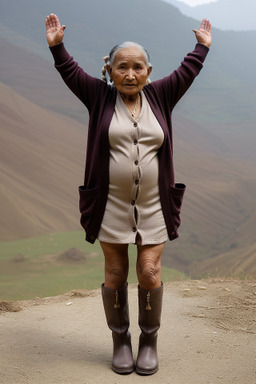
x,y
177,83
79,82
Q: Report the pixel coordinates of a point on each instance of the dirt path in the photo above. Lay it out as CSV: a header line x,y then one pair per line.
x,y
207,336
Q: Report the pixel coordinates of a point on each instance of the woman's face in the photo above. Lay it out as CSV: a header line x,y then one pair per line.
x,y
129,71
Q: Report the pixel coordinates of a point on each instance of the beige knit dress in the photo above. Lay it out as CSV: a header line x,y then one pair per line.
x,y
133,212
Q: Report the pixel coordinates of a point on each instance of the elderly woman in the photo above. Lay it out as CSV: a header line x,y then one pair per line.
x,y
129,193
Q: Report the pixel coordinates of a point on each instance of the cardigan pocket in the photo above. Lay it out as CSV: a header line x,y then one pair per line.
x,y
176,197
87,205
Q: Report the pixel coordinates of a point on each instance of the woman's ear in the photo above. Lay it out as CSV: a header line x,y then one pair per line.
x,y
149,70
109,69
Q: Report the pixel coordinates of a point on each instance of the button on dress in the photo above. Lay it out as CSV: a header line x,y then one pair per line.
x,y
133,211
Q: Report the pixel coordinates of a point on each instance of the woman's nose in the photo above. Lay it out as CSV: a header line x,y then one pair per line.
x,y
130,74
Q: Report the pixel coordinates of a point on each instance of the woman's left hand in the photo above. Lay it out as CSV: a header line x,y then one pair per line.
x,y
203,34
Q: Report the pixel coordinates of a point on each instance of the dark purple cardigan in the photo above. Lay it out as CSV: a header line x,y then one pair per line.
x,y
100,98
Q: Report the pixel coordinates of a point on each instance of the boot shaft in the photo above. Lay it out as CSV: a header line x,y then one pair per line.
x,y
150,309
116,308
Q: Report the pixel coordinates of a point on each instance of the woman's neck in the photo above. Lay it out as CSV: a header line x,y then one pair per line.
x,y
133,104
129,98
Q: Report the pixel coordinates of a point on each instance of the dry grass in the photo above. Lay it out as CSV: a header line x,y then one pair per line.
x,y
9,306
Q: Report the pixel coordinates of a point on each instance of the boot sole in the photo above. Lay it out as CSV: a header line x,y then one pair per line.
x,y
143,372
124,371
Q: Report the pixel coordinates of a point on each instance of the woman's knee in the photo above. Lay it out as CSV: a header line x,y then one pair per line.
x,y
116,273
116,264
149,266
149,274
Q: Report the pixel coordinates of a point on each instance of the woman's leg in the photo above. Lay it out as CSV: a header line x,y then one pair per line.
x,y
149,266
115,301
150,293
116,264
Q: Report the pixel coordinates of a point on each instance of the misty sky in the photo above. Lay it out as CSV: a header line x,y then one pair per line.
x,y
197,2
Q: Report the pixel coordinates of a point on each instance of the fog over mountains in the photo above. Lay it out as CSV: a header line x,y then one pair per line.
x,y
238,15
43,126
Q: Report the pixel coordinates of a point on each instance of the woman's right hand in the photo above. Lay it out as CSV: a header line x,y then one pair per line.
x,y
54,30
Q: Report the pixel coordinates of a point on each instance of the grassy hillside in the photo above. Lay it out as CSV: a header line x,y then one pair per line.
x,y
57,263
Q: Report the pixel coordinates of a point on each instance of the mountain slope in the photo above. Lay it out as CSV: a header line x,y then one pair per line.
x,y
36,79
41,165
219,210
224,94
225,14
214,125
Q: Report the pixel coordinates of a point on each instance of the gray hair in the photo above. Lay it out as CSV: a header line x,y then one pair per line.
x,y
109,60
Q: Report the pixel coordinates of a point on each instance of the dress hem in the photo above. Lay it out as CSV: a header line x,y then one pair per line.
x,y
144,242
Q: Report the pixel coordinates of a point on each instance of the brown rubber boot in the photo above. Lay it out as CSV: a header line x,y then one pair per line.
x,y
117,315
150,308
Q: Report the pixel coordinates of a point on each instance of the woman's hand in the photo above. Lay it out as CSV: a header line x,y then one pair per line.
x,y
54,30
203,34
